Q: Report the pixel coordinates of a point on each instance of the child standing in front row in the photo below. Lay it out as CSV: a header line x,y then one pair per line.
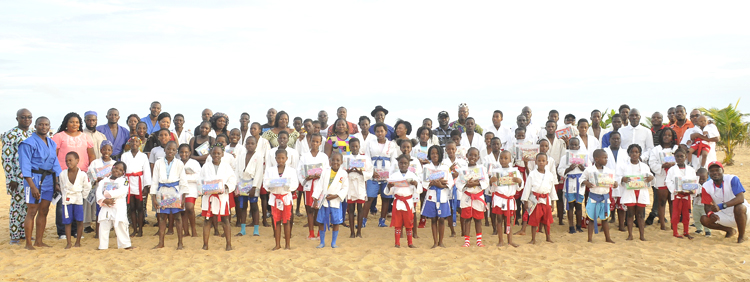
x,y
171,185
216,206
311,181
455,165
473,205
110,195
280,196
249,168
357,195
138,175
635,199
503,198
334,185
403,215
680,200
99,164
436,205
75,188
539,195
597,206
574,193
192,173
698,208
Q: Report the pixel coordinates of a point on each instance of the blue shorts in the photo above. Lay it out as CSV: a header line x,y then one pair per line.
x,y
574,197
170,211
336,216
75,212
597,208
241,200
44,195
374,188
488,199
430,209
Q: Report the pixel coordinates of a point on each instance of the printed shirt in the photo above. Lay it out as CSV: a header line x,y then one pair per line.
x,y
11,140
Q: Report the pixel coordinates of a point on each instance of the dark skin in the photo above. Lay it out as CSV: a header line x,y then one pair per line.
x,y
624,113
118,170
450,152
679,157
281,161
113,116
342,132
170,151
250,146
574,145
255,131
614,144
24,118
200,138
438,223
596,118
737,204
32,210
135,209
380,134
403,167
335,162
72,163
473,157
501,219
72,130
354,147
312,213
406,149
188,215
216,154
154,110
541,163
638,212
663,195
470,124
600,160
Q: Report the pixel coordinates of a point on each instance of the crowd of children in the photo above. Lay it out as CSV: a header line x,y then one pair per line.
x,y
468,177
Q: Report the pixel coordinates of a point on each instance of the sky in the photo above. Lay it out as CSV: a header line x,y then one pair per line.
x,y
415,58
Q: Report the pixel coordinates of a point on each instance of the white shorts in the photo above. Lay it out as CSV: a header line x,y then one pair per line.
x,y
726,217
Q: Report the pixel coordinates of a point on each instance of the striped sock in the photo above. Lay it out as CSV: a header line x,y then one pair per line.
x,y
409,233
479,239
467,242
398,236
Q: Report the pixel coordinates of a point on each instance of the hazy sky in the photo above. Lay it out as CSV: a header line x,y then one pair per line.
x,y
413,57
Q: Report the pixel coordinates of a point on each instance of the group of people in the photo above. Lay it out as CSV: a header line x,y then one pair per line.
x,y
100,177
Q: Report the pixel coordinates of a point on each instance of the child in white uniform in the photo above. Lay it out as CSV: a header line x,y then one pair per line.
x,y
332,192
503,196
75,187
311,182
473,205
597,205
101,166
168,195
280,196
403,214
538,195
192,174
436,205
356,197
635,199
681,201
216,206
249,170
138,174
111,195
573,192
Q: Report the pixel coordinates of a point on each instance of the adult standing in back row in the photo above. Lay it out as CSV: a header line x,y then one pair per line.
x,y
341,113
152,123
379,114
13,177
460,123
115,133
635,133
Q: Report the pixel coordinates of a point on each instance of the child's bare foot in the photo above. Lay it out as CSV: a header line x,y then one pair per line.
x,y
140,234
41,245
68,246
663,228
96,236
741,240
630,238
533,242
520,232
77,245
494,232
610,241
217,234
412,246
622,229
441,245
170,232
549,241
415,235
239,234
130,248
205,247
513,244
398,246
30,247
359,234
229,248
678,236
287,248
689,236
434,246
453,234
730,234
352,235
276,248
186,234
265,224
180,247
500,244
643,238
194,235
159,246
591,241
132,234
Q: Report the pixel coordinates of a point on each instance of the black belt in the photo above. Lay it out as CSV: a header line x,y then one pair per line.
x,y
44,173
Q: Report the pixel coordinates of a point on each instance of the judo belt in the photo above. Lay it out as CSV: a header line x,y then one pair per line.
x,y
405,200
218,216
437,197
382,159
454,201
476,197
546,202
170,185
44,173
507,216
522,170
567,187
599,205
140,185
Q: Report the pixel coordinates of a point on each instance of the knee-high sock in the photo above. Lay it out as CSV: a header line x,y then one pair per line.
x,y
398,236
409,234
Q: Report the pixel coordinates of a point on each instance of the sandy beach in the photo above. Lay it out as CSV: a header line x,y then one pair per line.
x,y
373,257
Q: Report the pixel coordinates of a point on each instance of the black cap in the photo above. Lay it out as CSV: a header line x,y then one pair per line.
x,y
378,108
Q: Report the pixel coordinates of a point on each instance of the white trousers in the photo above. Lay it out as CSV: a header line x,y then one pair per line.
x,y
121,230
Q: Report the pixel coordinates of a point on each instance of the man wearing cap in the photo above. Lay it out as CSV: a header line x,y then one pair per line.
x,y
90,118
442,131
724,200
115,133
341,113
379,114
463,113
13,176
152,125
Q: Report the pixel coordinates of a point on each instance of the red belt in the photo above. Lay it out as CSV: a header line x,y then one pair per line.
x,y
507,218
542,196
522,170
218,216
476,197
140,185
403,199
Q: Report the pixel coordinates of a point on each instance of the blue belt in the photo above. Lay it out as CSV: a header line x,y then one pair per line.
x,y
454,202
567,188
170,185
599,202
437,196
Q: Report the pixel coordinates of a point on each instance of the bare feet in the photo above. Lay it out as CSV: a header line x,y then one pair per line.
x,y
549,241
441,245
30,247
453,234
412,246
265,224
741,240
41,244
140,234
622,229
180,247
398,246
643,238
287,248
130,248
434,246
359,234
205,247
170,232
229,248
532,242
68,246
352,235
520,232
630,238
689,236
610,241
158,247
276,248
77,245
132,234
500,244
239,234
513,244
194,235
730,234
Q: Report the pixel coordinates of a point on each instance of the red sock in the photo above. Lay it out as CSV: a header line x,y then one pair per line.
x,y
409,236
466,240
312,233
398,236
479,239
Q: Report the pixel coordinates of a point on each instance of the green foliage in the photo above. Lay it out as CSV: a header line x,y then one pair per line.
x,y
733,131
607,120
648,123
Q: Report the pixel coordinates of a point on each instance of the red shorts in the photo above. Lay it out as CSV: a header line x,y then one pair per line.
x,y
308,198
637,194
542,215
279,215
615,204
294,195
559,186
231,201
471,213
660,188
300,188
190,200
498,210
225,212
402,219
263,191
355,201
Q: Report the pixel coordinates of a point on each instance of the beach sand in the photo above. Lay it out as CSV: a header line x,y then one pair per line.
x,y
373,257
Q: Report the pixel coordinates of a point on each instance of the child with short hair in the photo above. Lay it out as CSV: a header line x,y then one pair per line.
x,y
503,196
138,175
473,205
356,197
522,166
492,162
698,208
597,205
249,169
169,194
551,167
75,187
455,164
280,195
101,166
381,152
192,173
403,215
111,195
436,205
574,193
635,199
215,207
416,167
701,147
616,156
680,200
539,195
334,183
234,139
312,181
460,150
